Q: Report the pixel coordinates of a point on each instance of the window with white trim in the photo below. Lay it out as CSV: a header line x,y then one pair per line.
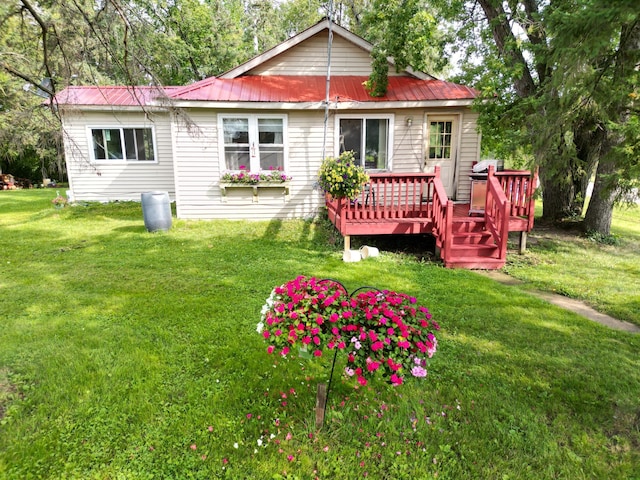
x,y
369,137
253,142
130,144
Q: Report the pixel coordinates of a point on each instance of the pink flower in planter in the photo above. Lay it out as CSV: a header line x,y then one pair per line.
x,y
386,329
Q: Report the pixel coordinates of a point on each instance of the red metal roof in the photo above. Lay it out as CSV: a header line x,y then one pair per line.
x,y
270,88
111,95
296,89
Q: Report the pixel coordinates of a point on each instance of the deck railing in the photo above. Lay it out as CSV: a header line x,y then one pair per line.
x,y
389,196
519,186
496,212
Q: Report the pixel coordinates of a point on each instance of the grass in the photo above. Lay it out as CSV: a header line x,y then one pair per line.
x,y
130,355
606,274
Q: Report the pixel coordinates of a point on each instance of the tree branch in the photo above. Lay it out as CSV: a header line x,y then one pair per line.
x,y
44,29
505,42
26,78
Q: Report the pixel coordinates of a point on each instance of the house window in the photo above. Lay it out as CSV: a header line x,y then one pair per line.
x,y
368,137
440,134
255,142
131,144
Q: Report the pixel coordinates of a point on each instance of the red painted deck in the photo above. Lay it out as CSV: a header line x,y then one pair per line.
x,y
417,204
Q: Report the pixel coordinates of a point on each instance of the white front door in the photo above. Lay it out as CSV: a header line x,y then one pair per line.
x,y
441,140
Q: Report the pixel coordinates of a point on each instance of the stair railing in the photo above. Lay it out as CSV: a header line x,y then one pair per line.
x,y
442,217
496,213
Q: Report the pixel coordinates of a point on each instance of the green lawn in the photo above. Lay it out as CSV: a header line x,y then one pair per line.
x,y
606,276
130,355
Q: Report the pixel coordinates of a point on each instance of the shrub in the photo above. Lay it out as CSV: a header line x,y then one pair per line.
x,y
341,177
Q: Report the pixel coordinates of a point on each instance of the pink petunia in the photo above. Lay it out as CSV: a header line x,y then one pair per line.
x,y
373,366
270,349
317,353
266,334
285,351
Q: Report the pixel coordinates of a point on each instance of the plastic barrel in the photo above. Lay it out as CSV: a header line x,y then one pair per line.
x,y
156,210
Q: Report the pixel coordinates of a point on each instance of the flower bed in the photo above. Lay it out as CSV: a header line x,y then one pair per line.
x,y
382,332
244,177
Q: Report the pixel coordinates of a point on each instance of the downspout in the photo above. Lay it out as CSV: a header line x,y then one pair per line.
x,y
328,81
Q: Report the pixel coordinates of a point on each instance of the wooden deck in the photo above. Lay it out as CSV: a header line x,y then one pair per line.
x,y
417,204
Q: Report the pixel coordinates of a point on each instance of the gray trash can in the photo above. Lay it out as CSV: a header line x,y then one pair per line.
x,y
156,211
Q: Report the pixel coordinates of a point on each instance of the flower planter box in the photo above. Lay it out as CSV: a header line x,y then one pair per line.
x,y
255,189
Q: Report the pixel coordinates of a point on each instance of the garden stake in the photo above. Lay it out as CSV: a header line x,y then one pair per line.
x,y
322,397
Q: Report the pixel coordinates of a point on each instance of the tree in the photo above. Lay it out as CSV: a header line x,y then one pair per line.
x,y
48,45
598,44
559,80
408,32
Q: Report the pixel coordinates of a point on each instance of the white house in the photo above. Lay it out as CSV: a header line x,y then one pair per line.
x,y
268,112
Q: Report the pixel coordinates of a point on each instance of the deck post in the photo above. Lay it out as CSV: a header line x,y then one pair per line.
x,y
347,243
523,243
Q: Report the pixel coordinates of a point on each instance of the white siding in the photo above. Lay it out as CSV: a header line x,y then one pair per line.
x,y
310,58
198,172
105,181
469,153
409,145
408,148
198,164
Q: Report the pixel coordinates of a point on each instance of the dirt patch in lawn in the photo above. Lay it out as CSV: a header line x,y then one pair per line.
x,y
8,391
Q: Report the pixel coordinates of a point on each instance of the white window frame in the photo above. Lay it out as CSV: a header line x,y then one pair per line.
x,y
254,151
92,155
369,116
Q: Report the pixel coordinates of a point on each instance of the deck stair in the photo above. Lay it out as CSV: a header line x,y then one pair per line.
x,y
472,246
417,203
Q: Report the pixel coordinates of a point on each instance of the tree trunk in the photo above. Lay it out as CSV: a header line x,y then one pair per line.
x,y
557,196
600,210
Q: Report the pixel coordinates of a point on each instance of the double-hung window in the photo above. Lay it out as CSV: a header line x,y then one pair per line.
x,y
130,144
253,142
369,137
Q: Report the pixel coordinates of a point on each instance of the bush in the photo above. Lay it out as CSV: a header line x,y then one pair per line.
x,y
341,177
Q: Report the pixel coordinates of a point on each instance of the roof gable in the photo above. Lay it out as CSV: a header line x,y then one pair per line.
x,y
307,54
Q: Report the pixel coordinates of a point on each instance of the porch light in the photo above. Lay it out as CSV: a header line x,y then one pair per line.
x,y
409,121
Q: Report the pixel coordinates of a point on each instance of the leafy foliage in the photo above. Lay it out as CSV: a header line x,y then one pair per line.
x,y
342,177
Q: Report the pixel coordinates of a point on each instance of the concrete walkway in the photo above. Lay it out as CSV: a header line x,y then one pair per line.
x,y
564,302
